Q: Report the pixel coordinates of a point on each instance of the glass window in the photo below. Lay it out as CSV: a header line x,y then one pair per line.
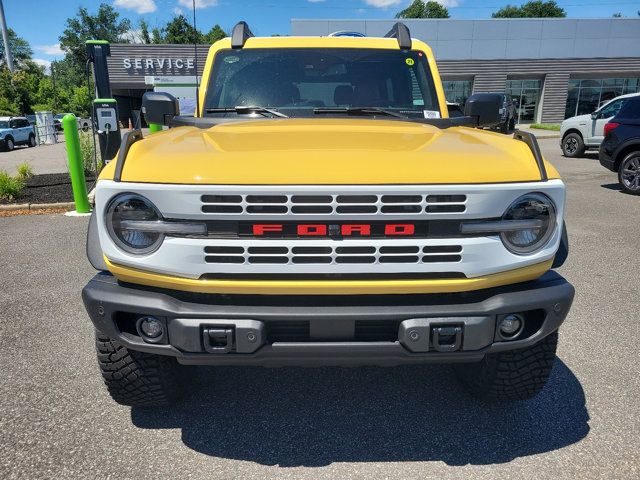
x,y
587,95
457,91
4,124
297,80
611,109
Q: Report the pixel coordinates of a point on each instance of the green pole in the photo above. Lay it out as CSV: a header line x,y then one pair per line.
x,y
155,127
76,169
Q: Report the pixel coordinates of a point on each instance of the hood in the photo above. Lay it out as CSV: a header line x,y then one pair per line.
x,y
327,151
577,119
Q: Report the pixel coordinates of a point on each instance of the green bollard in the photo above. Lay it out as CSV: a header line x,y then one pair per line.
x,y
154,127
76,169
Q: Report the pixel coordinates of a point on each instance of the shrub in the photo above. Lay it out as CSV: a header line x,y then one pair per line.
x,y
10,187
87,151
25,171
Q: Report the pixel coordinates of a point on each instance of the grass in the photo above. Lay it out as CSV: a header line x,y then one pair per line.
x,y
546,126
25,171
10,187
87,152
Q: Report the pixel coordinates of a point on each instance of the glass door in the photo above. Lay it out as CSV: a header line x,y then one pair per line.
x,y
526,94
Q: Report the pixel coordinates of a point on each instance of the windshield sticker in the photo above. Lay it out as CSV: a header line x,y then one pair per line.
x,y
431,114
410,62
418,102
232,59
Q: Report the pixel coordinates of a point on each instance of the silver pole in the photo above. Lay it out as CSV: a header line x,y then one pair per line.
x,y
5,39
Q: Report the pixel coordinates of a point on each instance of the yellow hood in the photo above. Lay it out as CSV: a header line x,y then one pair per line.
x,y
328,151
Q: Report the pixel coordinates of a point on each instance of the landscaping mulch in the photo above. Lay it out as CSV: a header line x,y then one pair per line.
x,y
48,188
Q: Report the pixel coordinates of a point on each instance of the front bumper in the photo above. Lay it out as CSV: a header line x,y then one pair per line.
x,y
328,330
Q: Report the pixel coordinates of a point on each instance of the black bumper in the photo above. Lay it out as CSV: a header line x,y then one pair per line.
x,y
328,330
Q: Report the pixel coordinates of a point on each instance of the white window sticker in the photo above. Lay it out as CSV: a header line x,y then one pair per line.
x,y
431,114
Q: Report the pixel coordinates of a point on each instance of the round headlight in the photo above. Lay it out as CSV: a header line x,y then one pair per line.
x,y
121,217
532,206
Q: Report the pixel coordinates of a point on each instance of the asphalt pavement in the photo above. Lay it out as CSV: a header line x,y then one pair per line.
x,y
57,421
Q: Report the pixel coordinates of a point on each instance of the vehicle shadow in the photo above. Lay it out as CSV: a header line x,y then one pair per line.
x,y
314,417
612,186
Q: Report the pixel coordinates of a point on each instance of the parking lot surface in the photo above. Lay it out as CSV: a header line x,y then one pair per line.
x,y
57,421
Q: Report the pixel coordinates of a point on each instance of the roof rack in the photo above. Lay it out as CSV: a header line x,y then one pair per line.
x,y
401,32
240,34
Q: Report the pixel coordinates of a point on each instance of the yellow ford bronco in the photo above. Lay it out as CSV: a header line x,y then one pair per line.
x,y
322,209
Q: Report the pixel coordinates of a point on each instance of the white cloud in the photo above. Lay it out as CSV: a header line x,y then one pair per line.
x,y
383,3
178,11
199,3
49,49
391,3
133,36
139,6
45,63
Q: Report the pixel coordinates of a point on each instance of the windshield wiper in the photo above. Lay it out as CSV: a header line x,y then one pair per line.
x,y
242,110
357,111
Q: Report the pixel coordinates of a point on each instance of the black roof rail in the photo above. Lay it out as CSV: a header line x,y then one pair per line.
x,y
401,32
240,34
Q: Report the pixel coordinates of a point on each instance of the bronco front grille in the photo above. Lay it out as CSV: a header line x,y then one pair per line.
x,y
338,204
388,254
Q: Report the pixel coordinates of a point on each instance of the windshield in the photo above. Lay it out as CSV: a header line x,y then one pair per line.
x,y
4,124
297,81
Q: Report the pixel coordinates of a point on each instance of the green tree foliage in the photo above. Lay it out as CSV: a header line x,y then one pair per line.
x,y
104,25
215,34
19,48
145,37
179,30
532,9
422,9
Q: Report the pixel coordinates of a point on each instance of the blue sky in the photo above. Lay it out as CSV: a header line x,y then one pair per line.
x,y
41,22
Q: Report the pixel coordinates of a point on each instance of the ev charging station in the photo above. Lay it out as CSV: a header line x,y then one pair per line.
x,y
105,108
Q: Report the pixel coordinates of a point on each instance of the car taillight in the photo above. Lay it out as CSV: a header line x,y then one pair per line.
x,y
609,127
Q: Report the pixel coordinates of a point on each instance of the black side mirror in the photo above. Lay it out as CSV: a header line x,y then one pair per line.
x,y
160,107
485,108
595,115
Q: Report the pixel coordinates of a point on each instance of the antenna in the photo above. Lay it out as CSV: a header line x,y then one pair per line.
x,y
195,60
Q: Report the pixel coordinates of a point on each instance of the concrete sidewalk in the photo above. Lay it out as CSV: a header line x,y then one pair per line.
x,y
538,132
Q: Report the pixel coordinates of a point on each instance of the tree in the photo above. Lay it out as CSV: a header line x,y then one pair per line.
x,y
179,30
19,48
215,34
532,9
144,32
104,25
422,9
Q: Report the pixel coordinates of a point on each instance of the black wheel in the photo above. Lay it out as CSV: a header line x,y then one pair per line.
x,y
32,140
512,124
85,127
572,145
514,375
629,173
9,144
504,126
136,378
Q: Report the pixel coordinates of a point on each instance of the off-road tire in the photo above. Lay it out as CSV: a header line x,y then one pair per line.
x,y
504,127
512,124
573,145
32,141
9,144
137,378
629,173
514,375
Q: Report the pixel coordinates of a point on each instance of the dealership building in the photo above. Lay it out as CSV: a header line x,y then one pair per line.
x,y
553,68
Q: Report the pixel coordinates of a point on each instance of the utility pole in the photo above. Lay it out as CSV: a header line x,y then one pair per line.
x,y
5,39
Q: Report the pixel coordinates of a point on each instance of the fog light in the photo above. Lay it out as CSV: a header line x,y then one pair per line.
x,y
150,327
510,326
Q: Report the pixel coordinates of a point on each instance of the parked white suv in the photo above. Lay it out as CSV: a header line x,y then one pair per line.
x,y
587,131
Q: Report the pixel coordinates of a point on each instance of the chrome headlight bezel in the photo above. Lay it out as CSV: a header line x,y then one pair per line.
x,y
113,230
543,236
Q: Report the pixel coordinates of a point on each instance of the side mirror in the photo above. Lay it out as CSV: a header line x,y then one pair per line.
x,y
159,107
485,108
595,115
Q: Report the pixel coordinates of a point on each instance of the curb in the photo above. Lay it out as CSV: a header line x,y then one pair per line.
x,y
36,206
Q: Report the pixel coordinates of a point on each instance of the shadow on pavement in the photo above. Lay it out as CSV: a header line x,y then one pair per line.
x,y
314,417
612,186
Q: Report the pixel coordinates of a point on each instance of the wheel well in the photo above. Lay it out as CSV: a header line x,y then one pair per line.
x,y
572,130
9,137
624,152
